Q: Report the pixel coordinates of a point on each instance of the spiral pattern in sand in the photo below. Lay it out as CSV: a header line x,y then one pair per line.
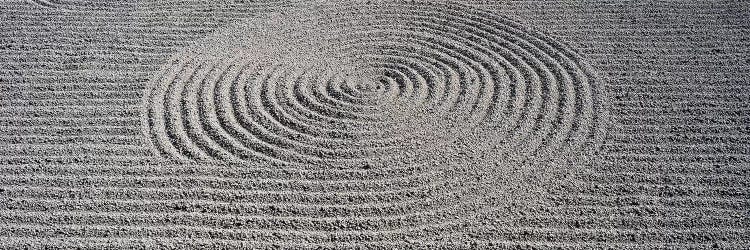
x,y
350,83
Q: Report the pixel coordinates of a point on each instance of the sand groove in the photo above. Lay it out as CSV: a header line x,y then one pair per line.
x,y
287,130
351,84
339,86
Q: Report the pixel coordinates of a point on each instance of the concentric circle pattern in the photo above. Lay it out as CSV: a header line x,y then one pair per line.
x,y
355,83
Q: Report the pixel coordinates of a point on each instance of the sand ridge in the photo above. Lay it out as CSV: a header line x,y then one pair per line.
x,y
357,124
358,85
342,83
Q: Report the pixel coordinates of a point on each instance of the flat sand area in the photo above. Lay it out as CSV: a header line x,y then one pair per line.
x,y
374,124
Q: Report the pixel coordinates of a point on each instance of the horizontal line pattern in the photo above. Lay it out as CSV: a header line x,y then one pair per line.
x,y
674,171
677,80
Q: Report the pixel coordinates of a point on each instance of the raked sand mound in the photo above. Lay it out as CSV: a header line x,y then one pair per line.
x,y
373,124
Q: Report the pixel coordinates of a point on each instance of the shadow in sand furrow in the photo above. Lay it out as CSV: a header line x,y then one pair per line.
x,y
344,84
479,100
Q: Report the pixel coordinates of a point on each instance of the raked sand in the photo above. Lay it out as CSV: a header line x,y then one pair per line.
x,y
374,124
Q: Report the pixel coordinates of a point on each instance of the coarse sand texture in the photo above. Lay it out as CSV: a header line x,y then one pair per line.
x,y
345,83
196,124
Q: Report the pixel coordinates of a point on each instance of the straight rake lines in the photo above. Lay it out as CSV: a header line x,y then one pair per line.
x,y
110,64
175,180
74,140
412,215
70,79
530,8
672,75
244,170
78,121
44,149
173,217
68,133
420,200
636,205
137,23
685,104
591,204
65,110
609,235
266,223
713,66
321,224
428,212
82,103
675,176
82,67
655,201
671,190
315,198
660,79
198,220
699,87
42,112
83,93
129,51
211,204
704,138
65,45
684,157
199,232
728,182
742,189
208,177
102,242
683,117
147,15
135,49
674,146
82,158
79,94
144,34
67,5
307,197
647,169
150,24
730,125
77,72
110,84
92,127
239,184
645,95
674,168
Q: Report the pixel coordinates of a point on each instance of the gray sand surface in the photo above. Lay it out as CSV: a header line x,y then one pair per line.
x,y
375,124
